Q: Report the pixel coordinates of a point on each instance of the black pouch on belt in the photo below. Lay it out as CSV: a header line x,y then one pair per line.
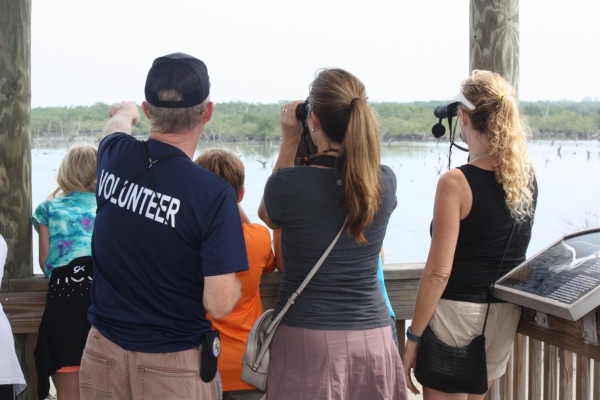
x,y
211,348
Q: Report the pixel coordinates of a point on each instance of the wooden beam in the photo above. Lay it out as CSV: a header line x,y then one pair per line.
x,y
15,147
565,334
24,299
269,285
401,282
494,38
35,283
24,310
15,150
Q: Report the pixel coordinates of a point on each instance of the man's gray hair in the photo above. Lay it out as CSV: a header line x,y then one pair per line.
x,y
175,120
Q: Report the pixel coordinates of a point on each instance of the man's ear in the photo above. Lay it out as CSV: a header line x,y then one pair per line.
x,y
145,109
210,107
241,194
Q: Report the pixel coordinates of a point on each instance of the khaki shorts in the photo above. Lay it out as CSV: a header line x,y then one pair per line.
x,y
456,322
108,371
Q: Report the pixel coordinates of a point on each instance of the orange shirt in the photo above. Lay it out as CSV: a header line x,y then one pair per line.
x,y
235,328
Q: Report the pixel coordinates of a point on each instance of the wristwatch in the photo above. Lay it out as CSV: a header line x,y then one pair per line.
x,y
411,336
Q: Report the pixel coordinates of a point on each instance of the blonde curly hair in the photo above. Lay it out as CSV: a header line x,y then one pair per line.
x,y
496,116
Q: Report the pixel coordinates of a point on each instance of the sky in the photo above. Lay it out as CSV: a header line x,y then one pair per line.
x,y
266,51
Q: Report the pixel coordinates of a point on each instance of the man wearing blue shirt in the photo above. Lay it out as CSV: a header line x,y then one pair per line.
x,y
167,244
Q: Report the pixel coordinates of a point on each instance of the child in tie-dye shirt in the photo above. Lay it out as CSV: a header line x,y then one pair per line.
x,y
65,223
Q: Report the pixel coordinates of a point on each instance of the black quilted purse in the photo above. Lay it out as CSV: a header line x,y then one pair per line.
x,y
455,369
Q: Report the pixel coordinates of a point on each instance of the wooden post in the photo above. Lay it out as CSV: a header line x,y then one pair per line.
x,y
400,331
582,386
596,380
494,38
520,367
494,392
550,372
15,147
565,382
507,380
535,369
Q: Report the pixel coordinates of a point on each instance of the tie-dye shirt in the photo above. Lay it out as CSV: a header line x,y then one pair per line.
x,y
70,222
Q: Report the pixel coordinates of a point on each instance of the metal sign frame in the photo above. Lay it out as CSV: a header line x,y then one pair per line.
x,y
572,311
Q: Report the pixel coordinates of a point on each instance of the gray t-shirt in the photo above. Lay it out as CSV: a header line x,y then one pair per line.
x,y
345,292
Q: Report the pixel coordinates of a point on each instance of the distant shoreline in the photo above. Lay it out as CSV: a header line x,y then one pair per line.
x,y
206,139
241,122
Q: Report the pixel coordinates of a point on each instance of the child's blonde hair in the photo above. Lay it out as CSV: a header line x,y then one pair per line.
x,y
225,164
77,171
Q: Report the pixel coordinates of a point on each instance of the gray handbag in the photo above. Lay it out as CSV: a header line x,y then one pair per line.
x,y
257,357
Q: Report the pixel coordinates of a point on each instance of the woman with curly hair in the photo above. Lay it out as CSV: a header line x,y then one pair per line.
x,y
476,206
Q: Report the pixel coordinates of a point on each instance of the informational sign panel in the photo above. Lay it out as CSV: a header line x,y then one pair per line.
x,y
561,280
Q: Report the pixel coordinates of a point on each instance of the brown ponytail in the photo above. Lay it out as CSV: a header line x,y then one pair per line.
x,y
339,100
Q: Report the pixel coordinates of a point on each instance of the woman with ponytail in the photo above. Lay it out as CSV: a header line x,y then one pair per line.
x,y
336,341
477,206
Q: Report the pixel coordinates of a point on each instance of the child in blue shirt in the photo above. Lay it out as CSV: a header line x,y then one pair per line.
x,y
65,223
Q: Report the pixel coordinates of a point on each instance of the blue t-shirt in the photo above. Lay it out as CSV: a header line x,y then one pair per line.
x,y
152,251
70,222
383,289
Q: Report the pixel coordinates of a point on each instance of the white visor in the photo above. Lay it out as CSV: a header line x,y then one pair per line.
x,y
461,98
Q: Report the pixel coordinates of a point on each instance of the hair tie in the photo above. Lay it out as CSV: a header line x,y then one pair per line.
x,y
354,100
500,97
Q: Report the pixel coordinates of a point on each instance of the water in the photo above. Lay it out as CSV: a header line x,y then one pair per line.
x,y
568,196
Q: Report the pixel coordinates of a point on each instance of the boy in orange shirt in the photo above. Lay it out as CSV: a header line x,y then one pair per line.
x,y
235,328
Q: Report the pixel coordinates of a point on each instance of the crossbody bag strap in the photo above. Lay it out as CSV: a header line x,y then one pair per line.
x,y
310,275
275,323
496,278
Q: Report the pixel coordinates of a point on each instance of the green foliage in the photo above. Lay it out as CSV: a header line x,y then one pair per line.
x,y
254,121
567,117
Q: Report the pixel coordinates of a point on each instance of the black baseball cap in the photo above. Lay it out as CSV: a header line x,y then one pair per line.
x,y
178,71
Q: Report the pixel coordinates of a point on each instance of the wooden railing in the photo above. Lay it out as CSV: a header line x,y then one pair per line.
x,y
23,301
552,359
401,282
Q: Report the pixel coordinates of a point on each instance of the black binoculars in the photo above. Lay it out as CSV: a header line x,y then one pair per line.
x,y
449,111
302,111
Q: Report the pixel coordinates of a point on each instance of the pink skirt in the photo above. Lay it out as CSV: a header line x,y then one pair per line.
x,y
335,364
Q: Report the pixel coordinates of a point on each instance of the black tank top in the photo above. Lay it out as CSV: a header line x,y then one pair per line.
x,y
482,239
